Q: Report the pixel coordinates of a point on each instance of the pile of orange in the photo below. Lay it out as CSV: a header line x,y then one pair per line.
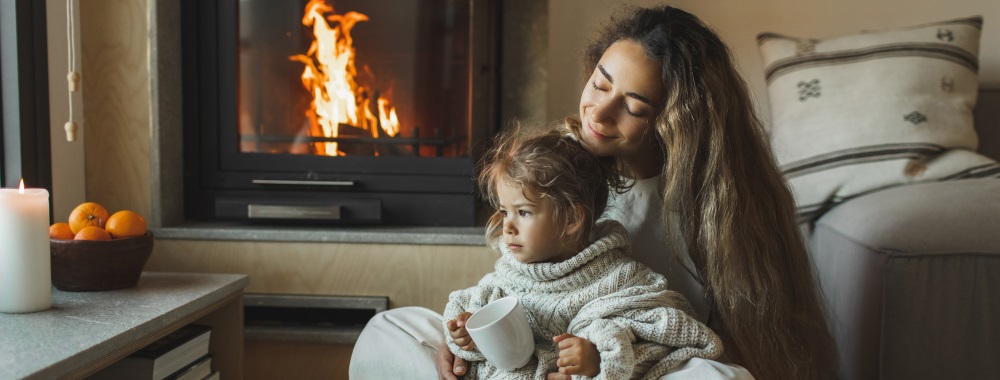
x,y
90,221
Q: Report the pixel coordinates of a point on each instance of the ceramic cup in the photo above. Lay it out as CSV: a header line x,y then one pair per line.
x,y
502,333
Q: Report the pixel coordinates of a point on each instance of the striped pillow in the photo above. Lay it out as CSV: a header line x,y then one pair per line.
x,y
858,113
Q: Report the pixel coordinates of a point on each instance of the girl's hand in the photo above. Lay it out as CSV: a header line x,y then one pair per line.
x,y
456,328
577,356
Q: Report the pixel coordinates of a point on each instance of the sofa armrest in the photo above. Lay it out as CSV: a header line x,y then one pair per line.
x,y
912,280
953,216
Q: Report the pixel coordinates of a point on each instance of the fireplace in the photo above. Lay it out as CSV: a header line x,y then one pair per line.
x,y
337,111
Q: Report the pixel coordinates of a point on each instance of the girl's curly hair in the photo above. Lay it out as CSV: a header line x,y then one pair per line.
x,y
555,166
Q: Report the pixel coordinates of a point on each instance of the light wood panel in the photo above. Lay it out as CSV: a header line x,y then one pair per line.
x,y
410,275
115,74
275,360
226,342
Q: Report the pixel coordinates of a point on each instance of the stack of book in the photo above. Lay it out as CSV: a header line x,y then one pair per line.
x,y
181,355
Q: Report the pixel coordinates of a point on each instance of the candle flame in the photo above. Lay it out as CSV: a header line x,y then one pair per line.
x,y
20,189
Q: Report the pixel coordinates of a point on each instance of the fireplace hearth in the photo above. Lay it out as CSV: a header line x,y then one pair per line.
x,y
338,111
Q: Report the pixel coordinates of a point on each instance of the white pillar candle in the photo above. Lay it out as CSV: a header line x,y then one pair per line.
x,y
25,269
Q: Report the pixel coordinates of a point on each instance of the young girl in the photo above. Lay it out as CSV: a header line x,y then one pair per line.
x,y
593,310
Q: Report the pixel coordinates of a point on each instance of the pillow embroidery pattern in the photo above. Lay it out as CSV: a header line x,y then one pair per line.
x,y
858,113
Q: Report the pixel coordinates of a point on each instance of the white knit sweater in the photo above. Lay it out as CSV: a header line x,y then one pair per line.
x,y
640,328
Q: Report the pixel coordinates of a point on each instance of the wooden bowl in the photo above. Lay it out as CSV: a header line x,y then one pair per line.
x,y
94,265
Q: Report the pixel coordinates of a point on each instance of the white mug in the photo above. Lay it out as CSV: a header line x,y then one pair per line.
x,y
502,333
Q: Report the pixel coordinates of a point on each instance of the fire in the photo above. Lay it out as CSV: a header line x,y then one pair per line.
x,y
329,75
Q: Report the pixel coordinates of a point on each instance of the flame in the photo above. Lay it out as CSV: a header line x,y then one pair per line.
x,y
390,123
329,75
20,189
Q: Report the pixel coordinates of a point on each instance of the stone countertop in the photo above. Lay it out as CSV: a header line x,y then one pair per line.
x,y
472,236
83,327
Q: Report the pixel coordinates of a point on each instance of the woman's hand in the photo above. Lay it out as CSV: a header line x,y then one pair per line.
x,y
456,328
577,356
449,367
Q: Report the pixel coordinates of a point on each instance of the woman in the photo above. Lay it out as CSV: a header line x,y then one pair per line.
x,y
667,101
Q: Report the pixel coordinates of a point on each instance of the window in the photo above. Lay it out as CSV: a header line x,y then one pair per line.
x,y
24,105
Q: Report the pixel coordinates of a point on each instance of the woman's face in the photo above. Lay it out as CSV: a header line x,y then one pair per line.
x,y
620,103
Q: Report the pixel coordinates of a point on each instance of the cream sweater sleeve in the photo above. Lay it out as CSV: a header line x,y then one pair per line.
x,y
470,299
641,331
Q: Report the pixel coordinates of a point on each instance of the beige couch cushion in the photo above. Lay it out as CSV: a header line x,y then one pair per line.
x,y
858,113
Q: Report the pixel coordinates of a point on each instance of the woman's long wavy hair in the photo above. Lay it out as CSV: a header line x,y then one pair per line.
x,y
736,212
554,166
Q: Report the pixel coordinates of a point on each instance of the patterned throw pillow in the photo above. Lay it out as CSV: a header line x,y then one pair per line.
x,y
857,113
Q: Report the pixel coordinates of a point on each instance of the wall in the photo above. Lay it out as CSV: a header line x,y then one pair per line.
x,y
115,69
67,163
738,23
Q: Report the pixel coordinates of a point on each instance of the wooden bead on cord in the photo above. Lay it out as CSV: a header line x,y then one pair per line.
x,y
70,128
74,80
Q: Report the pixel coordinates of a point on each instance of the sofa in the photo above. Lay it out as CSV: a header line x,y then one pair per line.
x,y
911,276
891,149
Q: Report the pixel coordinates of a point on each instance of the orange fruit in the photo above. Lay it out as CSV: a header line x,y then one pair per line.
x,y
125,223
92,233
60,231
87,214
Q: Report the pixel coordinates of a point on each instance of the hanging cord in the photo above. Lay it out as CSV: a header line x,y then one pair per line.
x,y
73,77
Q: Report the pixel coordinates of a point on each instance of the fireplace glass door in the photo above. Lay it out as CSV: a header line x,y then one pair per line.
x,y
372,109
354,78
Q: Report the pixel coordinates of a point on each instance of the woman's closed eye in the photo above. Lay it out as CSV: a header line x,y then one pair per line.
x,y
632,114
625,106
596,87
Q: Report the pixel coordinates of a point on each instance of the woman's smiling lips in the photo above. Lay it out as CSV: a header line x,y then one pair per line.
x,y
598,135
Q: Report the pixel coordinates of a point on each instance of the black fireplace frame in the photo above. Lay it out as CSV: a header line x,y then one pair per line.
x,y
225,185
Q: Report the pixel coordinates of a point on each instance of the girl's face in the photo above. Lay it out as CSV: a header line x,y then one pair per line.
x,y
530,228
620,103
